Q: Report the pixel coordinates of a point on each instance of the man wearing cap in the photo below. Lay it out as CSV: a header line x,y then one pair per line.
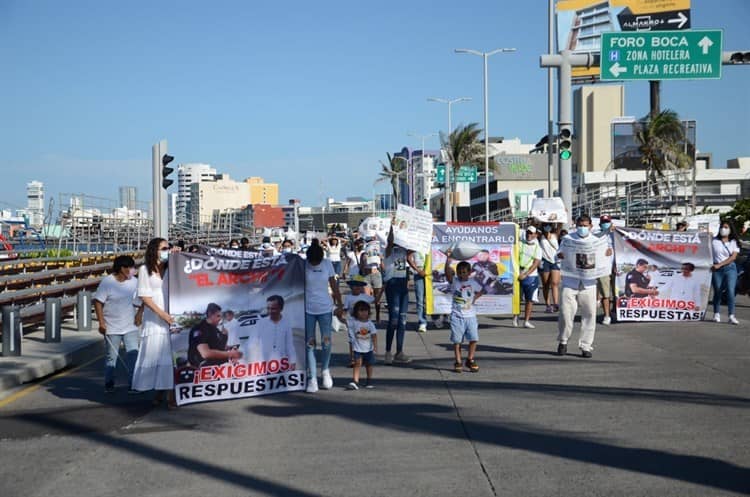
x,y
604,283
529,259
637,282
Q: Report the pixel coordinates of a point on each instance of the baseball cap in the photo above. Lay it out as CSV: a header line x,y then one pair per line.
x,y
605,219
531,229
357,280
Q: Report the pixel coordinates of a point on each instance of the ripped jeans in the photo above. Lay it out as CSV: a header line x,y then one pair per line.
x,y
324,323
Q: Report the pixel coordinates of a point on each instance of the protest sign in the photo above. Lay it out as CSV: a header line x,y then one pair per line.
x,y
585,258
662,275
549,210
375,227
412,228
492,251
704,222
261,305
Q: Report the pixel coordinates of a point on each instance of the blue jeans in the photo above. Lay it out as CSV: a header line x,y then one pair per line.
x,y
324,323
337,267
419,292
112,350
724,278
397,296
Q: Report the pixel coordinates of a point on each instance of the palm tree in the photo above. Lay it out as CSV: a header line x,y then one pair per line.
x,y
393,172
462,147
661,139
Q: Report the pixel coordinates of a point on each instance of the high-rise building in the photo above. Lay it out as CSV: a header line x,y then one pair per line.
x,y
128,197
594,108
262,192
35,203
187,175
214,196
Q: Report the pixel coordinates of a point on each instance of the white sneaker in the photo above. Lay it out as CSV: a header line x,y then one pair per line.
x,y
515,321
422,328
607,320
717,318
327,380
733,319
312,385
527,324
388,358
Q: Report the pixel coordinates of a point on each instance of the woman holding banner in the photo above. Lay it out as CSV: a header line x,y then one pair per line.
x,y
724,278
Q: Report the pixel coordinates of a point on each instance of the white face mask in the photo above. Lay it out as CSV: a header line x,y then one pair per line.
x,y
164,255
724,231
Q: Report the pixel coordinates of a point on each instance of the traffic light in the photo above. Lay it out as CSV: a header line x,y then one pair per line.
x,y
166,171
739,58
565,142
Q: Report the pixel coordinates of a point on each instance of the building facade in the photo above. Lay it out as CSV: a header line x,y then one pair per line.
x,y
128,197
187,175
216,195
35,203
594,109
262,192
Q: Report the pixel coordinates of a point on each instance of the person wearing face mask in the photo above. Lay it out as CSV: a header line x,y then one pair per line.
x,y
153,368
529,259
724,277
578,293
287,247
119,313
604,283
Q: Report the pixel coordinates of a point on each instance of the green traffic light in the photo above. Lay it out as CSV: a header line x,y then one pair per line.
x,y
565,154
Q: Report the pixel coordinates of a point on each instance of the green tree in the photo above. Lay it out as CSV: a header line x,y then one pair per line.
x,y
462,148
661,139
739,215
393,172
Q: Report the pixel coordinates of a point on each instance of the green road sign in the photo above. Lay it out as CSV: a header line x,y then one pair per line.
x,y
661,55
466,174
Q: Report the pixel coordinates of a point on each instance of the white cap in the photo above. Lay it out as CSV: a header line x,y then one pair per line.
x,y
531,229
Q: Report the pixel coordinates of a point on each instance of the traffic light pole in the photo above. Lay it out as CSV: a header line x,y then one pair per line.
x,y
159,198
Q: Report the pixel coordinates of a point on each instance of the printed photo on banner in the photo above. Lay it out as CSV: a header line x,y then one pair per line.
x,y
412,228
662,275
549,210
585,258
241,324
491,250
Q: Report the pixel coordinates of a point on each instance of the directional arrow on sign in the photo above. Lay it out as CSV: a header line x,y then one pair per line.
x,y
617,69
705,44
680,20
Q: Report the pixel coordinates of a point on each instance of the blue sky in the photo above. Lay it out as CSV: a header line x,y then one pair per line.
x,y
310,95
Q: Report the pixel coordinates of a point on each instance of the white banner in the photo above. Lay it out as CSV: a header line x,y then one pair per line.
x,y
704,222
585,258
412,228
549,210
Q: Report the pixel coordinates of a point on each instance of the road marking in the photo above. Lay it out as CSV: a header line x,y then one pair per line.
x,y
26,391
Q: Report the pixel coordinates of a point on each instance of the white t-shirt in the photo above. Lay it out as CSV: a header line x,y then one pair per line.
x,y
353,263
276,339
724,250
528,254
687,289
360,335
118,299
317,298
334,253
550,248
395,264
463,296
233,331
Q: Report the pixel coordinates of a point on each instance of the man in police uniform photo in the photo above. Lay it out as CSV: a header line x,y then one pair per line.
x,y
637,283
207,345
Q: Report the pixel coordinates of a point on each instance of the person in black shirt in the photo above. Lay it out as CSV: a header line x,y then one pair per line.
x,y
637,283
207,345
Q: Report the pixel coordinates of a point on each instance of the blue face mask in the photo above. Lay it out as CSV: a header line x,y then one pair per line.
x,y
605,226
582,230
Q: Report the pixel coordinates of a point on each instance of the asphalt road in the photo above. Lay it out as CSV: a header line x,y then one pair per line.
x,y
661,409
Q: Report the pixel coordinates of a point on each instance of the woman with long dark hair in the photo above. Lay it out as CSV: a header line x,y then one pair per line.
x,y
153,368
724,269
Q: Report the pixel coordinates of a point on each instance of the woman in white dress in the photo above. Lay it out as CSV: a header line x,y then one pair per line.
x,y
153,368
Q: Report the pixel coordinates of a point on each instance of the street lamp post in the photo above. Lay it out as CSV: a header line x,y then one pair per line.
x,y
422,137
450,102
485,56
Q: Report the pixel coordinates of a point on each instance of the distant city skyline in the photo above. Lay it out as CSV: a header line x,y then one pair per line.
x,y
261,90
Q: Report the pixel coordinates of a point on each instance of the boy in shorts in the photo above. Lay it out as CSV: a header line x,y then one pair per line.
x,y
363,338
463,314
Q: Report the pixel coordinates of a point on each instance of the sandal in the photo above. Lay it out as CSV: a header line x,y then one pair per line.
x,y
458,368
472,365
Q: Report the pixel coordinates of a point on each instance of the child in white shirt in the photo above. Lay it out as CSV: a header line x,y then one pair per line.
x,y
363,339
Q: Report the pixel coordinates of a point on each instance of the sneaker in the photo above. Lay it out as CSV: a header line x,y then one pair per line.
x,y
586,354
388,359
733,319
401,358
312,385
109,387
369,385
352,386
606,320
422,328
562,349
548,309
472,365
527,324
555,308
458,367
717,318
515,321
327,380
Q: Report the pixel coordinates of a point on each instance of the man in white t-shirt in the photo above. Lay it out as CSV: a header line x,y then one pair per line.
x,y
686,287
273,339
529,260
119,313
